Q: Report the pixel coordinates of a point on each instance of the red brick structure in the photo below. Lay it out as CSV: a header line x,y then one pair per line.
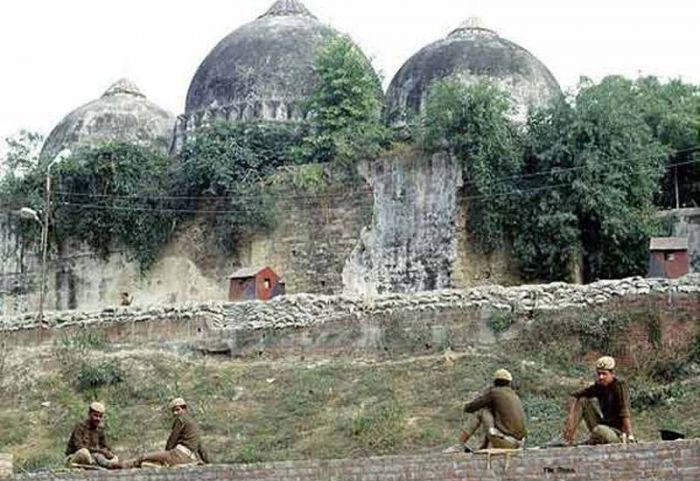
x,y
668,257
660,461
250,283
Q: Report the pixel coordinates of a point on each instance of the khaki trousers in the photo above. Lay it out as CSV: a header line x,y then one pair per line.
x,y
173,457
483,422
587,411
84,456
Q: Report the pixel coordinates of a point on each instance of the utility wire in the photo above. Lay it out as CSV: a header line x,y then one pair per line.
x,y
244,207
339,193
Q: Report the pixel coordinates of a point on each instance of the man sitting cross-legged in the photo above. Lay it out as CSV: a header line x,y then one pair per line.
x,y
87,445
183,446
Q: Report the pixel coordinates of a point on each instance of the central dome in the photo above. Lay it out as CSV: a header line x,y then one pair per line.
x,y
264,69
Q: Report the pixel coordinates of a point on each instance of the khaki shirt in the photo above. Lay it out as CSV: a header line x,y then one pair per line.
x,y
185,432
614,401
507,410
85,436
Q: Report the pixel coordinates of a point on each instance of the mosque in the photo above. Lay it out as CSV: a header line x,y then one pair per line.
x,y
264,71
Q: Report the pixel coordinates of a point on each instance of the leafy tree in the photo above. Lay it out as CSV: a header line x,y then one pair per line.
x,y
228,163
603,168
345,108
21,161
472,122
20,182
111,194
672,110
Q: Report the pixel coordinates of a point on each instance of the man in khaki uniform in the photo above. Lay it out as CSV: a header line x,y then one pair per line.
x,y
183,446
609,424
88,444
498,414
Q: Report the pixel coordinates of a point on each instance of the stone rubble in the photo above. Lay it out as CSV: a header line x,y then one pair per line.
x,y
306,310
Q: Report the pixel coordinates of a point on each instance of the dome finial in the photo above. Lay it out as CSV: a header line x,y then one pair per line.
x,y
472,25
123,86
288,7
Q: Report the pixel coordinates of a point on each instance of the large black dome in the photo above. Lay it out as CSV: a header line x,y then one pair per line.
x,y
263,69
471,52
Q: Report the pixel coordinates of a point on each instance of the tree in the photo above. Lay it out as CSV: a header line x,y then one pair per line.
x,y
345,108
672,110
598,166
223,168
21,185
112,195
17,188
472,122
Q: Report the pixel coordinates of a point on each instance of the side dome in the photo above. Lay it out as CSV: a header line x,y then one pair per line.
x,y
262,70
122,114
470,53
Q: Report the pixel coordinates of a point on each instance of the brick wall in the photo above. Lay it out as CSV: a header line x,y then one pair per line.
x,y
677,461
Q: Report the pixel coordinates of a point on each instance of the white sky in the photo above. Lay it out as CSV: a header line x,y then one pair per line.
x,y
56,55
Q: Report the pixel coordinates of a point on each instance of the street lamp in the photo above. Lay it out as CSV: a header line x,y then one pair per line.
x,y
27,213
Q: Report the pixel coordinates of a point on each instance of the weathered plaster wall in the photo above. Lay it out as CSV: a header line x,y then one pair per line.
x,y
19,269
660,461
313,236
687,224
78,279
472,268
411,243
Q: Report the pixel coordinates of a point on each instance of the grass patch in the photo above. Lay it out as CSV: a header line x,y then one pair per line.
x,y
378,429
501,320
260,411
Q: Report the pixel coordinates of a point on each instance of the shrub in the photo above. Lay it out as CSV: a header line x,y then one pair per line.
x,y
96,375
644,395
501,321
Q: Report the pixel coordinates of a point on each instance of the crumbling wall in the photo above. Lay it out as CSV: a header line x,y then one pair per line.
x,y
399,323
411,244
687,224
661,461
18,270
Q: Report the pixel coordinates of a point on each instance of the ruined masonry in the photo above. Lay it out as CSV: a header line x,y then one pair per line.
x,y
308,310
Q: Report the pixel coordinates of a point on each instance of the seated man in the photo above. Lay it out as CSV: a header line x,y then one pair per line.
x,y
183,446
499,414
88,444
613,424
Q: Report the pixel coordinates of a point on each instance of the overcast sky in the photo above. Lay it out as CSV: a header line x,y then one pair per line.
x,y
56,55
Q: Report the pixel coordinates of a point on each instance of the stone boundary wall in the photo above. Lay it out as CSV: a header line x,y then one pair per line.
x,y
305,310
316,322
661,461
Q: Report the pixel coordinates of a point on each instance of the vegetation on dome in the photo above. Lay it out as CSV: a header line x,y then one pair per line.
x,y
472,122
345,108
